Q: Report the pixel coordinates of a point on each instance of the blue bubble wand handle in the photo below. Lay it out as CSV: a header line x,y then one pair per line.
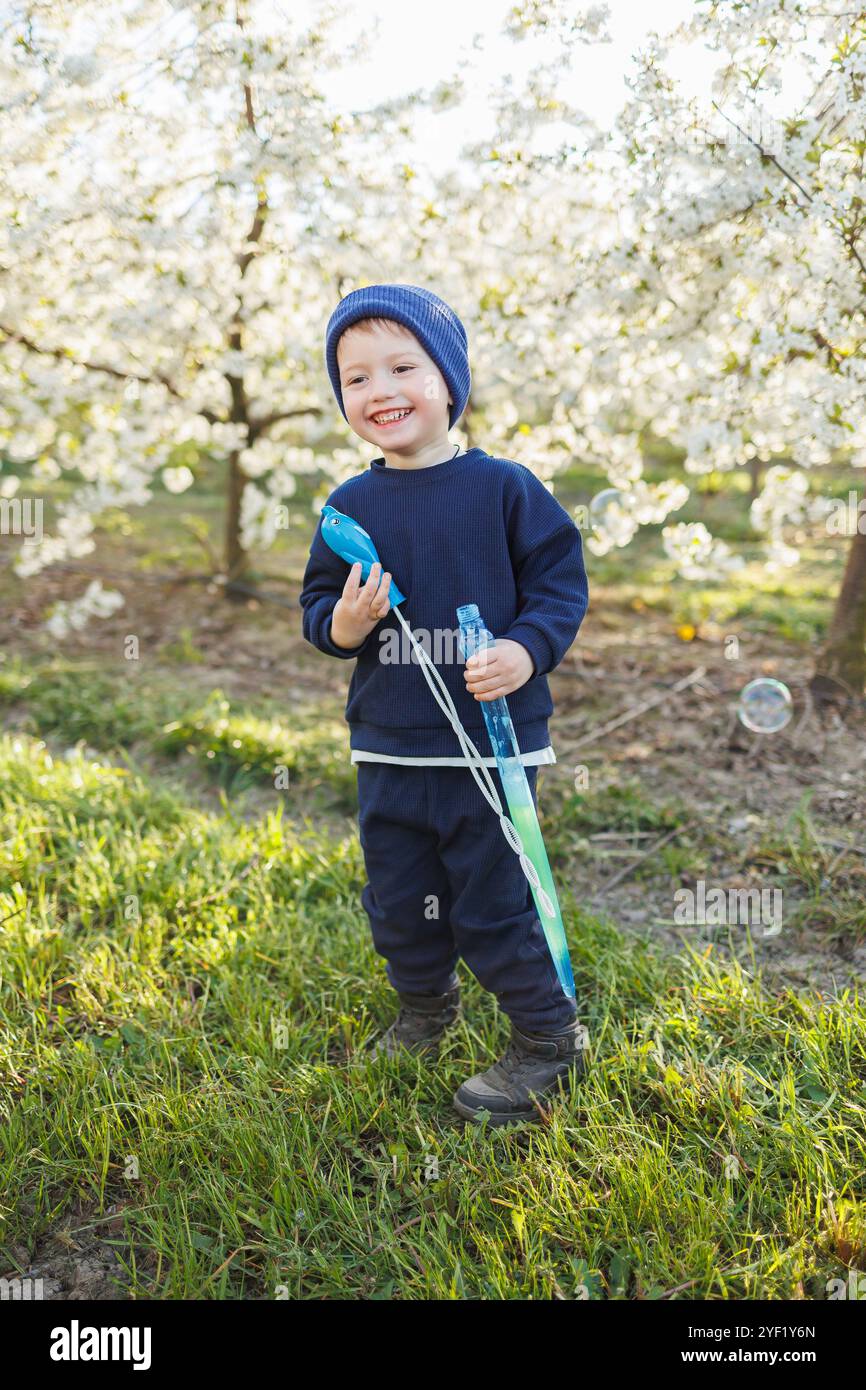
x,y
475,638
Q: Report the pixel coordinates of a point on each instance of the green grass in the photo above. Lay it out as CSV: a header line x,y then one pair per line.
x,y
242,749
185,993
76,701
184,999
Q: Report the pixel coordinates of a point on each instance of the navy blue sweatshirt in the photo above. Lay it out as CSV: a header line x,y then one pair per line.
x,y
474,529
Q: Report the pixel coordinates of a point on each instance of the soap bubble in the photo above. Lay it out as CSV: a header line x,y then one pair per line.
x,y
765,705
601,503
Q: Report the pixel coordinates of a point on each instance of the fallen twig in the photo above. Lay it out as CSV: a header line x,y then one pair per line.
x,y
638,709
839,844
622,835
398,1230
650,850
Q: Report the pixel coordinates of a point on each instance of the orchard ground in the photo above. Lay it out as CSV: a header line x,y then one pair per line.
x,y
189,978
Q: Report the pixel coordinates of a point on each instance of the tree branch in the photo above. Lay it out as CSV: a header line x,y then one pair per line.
x,y
62,354
846,237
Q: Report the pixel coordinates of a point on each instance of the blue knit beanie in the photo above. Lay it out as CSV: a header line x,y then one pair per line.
x,y
434,323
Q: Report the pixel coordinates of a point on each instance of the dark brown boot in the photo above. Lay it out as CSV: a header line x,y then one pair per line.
x,y
530,1065
420,1025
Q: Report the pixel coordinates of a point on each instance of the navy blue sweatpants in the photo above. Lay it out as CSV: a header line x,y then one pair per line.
x,y
444,883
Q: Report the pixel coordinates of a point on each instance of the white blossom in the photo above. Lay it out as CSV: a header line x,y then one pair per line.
x,y
95,602
178,479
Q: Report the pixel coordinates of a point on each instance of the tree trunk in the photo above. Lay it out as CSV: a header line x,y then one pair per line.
x,y
842,658
755,469
235,556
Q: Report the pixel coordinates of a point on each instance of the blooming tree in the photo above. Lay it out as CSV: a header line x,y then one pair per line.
x,y
182,211
736,288
172,191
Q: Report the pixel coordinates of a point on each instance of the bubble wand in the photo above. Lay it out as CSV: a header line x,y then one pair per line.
x,y
352,543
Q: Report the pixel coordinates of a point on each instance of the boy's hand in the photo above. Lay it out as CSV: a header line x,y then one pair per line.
x,y
360,608
498,670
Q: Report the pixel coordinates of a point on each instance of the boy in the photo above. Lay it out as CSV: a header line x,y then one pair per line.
x,y
457,526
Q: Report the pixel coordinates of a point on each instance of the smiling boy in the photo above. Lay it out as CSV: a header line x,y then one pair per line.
x,y
457,526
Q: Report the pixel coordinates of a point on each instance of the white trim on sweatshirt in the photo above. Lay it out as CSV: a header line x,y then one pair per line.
x,y
541,755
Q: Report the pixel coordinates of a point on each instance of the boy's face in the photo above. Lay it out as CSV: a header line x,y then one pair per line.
x,y
384,370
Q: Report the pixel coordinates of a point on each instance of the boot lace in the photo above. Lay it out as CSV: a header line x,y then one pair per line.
x,y
515,1057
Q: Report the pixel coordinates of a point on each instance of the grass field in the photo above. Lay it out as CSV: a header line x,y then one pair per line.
x,y
187,979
